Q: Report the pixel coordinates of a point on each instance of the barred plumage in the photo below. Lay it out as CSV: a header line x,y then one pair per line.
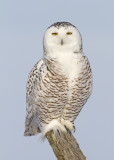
x,y
58,85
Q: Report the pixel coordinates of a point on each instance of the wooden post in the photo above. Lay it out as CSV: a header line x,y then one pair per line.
x,y
65,146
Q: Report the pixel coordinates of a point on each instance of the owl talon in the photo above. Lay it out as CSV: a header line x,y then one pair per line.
x,y
74,128
58,132
68,131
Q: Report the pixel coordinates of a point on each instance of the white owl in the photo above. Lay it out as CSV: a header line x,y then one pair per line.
x,y
59,84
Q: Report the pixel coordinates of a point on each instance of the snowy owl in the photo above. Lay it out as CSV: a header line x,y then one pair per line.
x,y
59,84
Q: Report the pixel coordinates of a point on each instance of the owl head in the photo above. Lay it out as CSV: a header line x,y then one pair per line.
x,y
62,36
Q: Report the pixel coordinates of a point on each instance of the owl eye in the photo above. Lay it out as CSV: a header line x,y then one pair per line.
x,y
54,34
69,33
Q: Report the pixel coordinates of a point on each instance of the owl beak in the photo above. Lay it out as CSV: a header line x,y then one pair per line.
x,y
62,42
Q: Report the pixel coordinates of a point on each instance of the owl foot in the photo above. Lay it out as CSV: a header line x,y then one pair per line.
x,y
55,126
68,125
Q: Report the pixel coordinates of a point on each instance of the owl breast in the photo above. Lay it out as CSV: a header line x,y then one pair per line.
x,y
75,67
70,63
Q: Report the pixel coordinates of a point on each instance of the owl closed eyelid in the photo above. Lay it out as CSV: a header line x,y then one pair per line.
x,y
55,34
69,33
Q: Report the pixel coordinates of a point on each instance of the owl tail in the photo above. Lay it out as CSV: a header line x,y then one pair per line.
x,y
31,131
31,127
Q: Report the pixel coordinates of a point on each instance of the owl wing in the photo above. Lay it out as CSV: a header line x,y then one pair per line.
x,y
31,126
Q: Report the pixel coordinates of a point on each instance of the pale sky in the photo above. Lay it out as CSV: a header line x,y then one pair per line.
x,y
22,25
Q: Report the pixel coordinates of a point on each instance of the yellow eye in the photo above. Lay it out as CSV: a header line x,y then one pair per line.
x,y
69,33
54,34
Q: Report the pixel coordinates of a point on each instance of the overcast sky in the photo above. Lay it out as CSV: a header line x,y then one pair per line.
x,y
22,25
